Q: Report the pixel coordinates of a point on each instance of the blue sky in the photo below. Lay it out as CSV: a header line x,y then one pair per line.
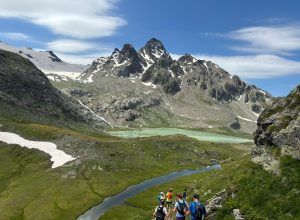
x,y
257,40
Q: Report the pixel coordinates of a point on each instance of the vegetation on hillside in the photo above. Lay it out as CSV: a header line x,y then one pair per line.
x,y
30,189
257,193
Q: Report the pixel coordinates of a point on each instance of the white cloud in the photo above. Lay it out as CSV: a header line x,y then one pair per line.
x,y
269,44
267,39
70,46
78,19
77,51
14,36
253,67
82,59
257,66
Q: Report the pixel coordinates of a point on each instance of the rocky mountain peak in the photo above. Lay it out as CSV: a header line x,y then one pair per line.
x,y
127,48
116,50
53,56
128,52
153,50
187,58
153,43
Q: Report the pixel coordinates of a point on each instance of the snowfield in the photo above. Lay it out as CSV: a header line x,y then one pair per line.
x,y
58,157
48,63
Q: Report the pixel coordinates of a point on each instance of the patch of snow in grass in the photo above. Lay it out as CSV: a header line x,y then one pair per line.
x,y
58,157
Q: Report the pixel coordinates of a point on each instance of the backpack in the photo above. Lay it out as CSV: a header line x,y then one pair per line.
x,y
199,211
169,195
160,214
181,207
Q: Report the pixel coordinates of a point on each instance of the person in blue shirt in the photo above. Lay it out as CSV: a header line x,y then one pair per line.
x,y
197,209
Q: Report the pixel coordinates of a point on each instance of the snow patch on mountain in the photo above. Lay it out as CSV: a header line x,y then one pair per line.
x,y
149,84
205,64
48,62
90,110
246,119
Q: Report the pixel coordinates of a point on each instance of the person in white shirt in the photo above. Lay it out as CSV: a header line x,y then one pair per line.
x,y
160,212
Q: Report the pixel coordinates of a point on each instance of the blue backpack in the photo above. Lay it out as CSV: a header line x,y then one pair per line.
x,y
200,211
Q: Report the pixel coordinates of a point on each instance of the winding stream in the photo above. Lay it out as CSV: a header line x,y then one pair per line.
x,y
98,210
95,212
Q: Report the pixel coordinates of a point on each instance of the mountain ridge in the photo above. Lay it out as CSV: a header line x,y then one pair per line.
x,y
48,62
26,92
147,87
130,82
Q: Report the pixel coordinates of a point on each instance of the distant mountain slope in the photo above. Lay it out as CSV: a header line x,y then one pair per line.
x,y
48,62
148,87
25,92
279,125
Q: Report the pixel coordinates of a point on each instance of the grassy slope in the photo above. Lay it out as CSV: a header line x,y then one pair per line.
x,y
29,189
260,195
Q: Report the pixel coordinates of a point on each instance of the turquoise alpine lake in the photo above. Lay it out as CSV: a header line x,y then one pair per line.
x,y
199,135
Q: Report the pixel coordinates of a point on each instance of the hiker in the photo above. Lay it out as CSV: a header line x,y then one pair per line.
x,y
161,197
181,208
169,198
184,194
160,212
197,209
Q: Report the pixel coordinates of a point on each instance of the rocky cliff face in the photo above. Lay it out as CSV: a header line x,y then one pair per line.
x,y
162,91
26,91
155,66
279,125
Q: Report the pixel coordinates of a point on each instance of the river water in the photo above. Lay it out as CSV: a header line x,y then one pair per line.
x,y
98,210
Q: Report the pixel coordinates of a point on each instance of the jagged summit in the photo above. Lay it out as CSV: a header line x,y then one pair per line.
x,y
128,51
187,58
116,50
154,66
145,86
53,56
153,50
155,45
128,47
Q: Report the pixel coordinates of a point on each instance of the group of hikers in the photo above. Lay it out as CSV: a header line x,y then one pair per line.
x,y
181,207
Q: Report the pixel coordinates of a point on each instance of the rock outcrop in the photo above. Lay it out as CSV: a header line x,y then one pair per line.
x,y
279,125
